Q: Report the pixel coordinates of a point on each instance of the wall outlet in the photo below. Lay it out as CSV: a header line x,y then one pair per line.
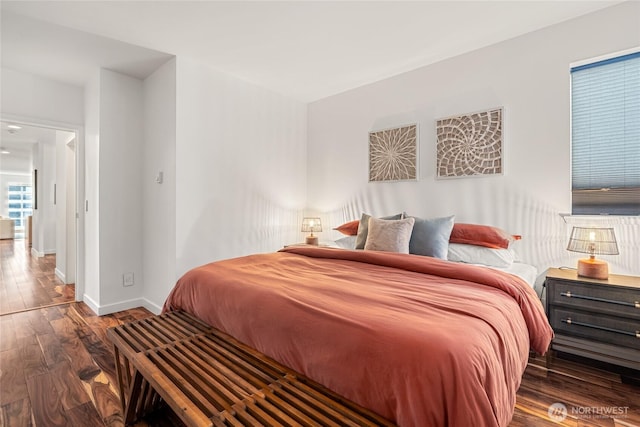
x,y
127,279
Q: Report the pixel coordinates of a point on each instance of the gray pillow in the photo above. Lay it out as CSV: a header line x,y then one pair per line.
x,y
363,228
389,235
430,237
346,242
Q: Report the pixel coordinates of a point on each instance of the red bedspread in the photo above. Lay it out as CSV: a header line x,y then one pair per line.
x,y
421,341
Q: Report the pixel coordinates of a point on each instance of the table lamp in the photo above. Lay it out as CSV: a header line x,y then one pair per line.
x,y
593,241
310,225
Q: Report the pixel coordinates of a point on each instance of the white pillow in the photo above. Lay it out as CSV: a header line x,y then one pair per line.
x,y
473,254
389,235
347,242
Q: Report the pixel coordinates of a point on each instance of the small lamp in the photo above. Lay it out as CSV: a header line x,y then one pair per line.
x,y
592,241
309,225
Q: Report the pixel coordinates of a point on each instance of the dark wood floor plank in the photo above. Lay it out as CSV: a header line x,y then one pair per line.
x,y
8,305
578,391
7,333
72,392
85,415
45,402
32,356
84,311
107,401
99,326
13,386
28,282
101,354
52,349
81,361
23,327
39,322
52,313
16,414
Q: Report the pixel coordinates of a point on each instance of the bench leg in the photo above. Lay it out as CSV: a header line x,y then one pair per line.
x,y
131,413
120,376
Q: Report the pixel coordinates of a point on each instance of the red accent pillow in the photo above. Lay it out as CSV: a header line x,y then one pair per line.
x,y
480,235
349,228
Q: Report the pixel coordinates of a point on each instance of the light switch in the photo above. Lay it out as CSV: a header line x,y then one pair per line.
x,y
127,279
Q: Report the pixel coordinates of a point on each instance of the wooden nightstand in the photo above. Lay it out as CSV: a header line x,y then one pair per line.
x,y
598,319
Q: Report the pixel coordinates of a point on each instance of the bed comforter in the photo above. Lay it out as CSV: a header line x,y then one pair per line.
x,y
421,341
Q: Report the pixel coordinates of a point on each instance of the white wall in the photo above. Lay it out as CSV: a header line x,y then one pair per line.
x,y
91,205
70,219
64,172
19,164
27,95
41,101
159,200
113,190
61,203
44,217
529,77
240,167
120,188
233,162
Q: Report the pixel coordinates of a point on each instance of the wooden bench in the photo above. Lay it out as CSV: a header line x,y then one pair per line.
x,y
210,379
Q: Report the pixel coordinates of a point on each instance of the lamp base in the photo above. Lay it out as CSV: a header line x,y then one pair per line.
x,y
593,268
312,240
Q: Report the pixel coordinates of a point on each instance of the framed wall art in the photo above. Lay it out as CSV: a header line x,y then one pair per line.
x,y
393,154
470,145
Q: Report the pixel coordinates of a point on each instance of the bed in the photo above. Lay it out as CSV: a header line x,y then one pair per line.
x,y
419,340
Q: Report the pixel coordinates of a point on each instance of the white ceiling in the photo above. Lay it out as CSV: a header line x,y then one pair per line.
x,y
16,146
304,49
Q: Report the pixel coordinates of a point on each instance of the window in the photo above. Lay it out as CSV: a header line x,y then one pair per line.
x,y
19,207
605,136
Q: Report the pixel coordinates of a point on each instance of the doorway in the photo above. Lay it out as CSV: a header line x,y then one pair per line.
x,y
44,254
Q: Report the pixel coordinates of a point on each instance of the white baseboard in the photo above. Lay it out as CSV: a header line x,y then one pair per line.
x,y
120,306
152,307
60,275
101,310
36,253
94,306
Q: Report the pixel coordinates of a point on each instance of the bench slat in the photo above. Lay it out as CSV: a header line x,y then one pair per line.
x,y
212,366
188,412
213,391
209,378
309,412
241,367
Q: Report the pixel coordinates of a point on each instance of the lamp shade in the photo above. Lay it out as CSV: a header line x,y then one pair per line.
x,y
593,241
311,224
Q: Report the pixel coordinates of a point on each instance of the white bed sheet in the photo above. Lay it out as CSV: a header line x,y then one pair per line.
x,y
526,272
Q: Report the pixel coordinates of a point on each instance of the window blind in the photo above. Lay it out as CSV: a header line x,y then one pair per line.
x,y
605,133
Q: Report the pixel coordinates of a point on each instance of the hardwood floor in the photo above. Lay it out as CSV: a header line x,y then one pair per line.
x,y
28,282
57,369
588,393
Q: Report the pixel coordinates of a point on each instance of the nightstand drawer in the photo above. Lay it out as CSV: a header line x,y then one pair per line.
x,y
607,329
592,297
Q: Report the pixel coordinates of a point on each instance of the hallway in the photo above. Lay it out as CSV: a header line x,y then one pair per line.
x,y
27,282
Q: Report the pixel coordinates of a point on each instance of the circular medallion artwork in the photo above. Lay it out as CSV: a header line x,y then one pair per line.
x,y
470,145
393,154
